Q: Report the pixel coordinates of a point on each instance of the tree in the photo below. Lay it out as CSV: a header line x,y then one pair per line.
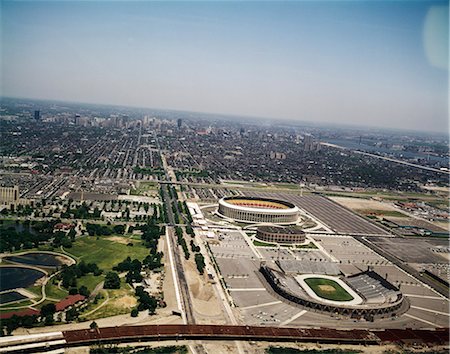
x,y
200,262
84,291
49,320
119,229
112,281
93,325
134,312
71,314
48,310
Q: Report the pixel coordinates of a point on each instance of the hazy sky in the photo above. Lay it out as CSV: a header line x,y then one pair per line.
x,y
368,63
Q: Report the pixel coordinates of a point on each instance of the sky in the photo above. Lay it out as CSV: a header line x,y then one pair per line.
x,y
368,63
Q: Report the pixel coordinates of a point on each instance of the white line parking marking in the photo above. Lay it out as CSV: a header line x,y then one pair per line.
x,y
297,315
261,305
422,320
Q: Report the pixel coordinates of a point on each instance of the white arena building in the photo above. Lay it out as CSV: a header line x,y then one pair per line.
x,y
258,210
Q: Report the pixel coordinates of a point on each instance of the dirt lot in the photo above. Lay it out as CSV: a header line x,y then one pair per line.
x,y
443,224
207,307
118,239
125,301
359,203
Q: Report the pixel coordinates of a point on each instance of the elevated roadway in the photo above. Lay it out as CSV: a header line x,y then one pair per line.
x,y
52,342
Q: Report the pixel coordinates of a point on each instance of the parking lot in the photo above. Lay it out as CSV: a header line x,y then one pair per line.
x,y
258,305
336,217
414,250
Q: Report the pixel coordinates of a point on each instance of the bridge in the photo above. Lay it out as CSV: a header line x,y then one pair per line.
x,y
148,333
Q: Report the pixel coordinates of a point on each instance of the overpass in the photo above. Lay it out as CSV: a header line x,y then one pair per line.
x,y
148,333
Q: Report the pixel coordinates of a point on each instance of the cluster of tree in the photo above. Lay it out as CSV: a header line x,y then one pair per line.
x,y
153,260
145,300
72,314
173,192
26,236
194,247
164,215
150,235
190,231
200,262
112,281
175,214
81,212
182,242
186,211
14,322
126,214
47,312
62,239
133,267
46,317
98,230
119,229
128,264
69,274
83,290
20,210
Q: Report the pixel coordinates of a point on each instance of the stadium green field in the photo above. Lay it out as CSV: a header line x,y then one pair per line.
x,y
328,289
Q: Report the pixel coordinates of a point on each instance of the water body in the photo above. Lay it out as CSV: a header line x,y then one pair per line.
x,y
11,296
16,277
37,259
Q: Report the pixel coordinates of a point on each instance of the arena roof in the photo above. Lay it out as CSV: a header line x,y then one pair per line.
x,y
257,203
290,230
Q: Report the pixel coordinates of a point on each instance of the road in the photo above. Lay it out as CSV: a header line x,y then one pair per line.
x,y
180,277
389,159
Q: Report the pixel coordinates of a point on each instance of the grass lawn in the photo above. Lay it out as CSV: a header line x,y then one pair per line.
x,y
106,253
52,291
121,301
308,245
90,281
10,306
144,187
287,185
392,213
37,290
263,244
328,289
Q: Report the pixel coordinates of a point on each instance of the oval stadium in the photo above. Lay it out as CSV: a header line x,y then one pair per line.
x,y
258,210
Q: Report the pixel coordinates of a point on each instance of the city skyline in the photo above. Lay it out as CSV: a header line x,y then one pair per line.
x,y
367,64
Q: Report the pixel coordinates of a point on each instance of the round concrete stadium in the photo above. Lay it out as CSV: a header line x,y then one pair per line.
x,y
258,210
291,234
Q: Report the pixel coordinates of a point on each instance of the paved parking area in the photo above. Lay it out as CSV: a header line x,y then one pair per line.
x,y
336,217
412,250
239,266
347,250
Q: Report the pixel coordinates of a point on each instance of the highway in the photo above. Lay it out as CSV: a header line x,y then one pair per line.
x,y
388,159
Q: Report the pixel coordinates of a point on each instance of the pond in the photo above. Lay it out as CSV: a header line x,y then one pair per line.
x,y
39,259
11,296
17,277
